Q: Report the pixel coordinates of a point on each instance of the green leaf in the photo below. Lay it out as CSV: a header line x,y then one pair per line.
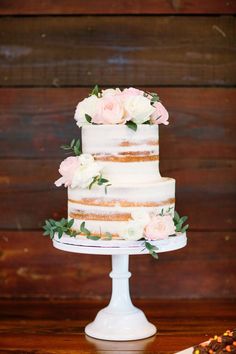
x,y
72,143
77,151
132,125
70,222
93,182
185,228
183,219
51,233
95,91
150,247
94,238
103,180
176,216
60,233
154,255
88,118
83,229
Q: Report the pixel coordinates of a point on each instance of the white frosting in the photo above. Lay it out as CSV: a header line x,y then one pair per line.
x,y
129,173
118,200
151,192
117,141
106,139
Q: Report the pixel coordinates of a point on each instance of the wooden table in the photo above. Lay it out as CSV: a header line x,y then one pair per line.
x,y
57,326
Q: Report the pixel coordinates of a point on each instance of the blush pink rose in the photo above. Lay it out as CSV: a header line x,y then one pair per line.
x,y
131,91
160,227
109,111
160,116
67,170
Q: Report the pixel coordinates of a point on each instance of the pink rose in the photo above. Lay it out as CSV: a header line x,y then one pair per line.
x,y
131,91
67,170
160,116
160,227
109,111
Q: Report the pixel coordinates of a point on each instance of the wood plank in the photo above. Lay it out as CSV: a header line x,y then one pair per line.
x,y
57,326
147,50
31,267
37,121
201,184
114,7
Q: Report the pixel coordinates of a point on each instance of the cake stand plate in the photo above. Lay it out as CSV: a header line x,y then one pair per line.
x,y
120,320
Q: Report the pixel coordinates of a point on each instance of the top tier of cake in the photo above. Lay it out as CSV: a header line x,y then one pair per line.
x,y
127,156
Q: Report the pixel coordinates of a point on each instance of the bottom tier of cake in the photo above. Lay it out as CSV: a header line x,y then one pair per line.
x,y
107,212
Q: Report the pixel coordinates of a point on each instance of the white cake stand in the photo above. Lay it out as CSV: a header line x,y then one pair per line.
x,y
120,320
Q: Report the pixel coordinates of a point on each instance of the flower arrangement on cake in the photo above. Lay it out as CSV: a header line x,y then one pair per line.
x,y
115,191
114,106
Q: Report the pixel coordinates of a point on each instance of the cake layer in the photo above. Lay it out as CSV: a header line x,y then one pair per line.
x,y
126,156
110,212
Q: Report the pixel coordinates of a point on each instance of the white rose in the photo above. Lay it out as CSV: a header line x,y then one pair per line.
x,y
141,216
87,106
138,108
86,159
132,231
85,173
111,92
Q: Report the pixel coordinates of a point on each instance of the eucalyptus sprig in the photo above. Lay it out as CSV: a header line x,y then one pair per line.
x,y
99,180
179,221
87,233
74,146
151,249
95,91
59,227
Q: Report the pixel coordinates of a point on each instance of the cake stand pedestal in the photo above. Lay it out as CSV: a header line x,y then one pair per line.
x,y
120,320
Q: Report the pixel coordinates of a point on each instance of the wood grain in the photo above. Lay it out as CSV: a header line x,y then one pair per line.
x,y
58,326
29,197
31,267
114,7
35,122
122,50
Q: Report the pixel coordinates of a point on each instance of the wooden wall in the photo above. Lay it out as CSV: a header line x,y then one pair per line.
x,y
51,54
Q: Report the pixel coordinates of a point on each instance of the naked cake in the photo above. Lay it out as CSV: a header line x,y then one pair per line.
x,y
115,190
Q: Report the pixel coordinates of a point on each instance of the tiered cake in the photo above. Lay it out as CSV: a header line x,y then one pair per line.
x,y
115,190
130,162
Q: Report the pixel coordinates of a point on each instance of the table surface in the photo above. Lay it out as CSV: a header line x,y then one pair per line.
x,y
57,326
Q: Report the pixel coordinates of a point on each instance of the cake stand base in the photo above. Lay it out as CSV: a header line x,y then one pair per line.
x,y
120,320
120,327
